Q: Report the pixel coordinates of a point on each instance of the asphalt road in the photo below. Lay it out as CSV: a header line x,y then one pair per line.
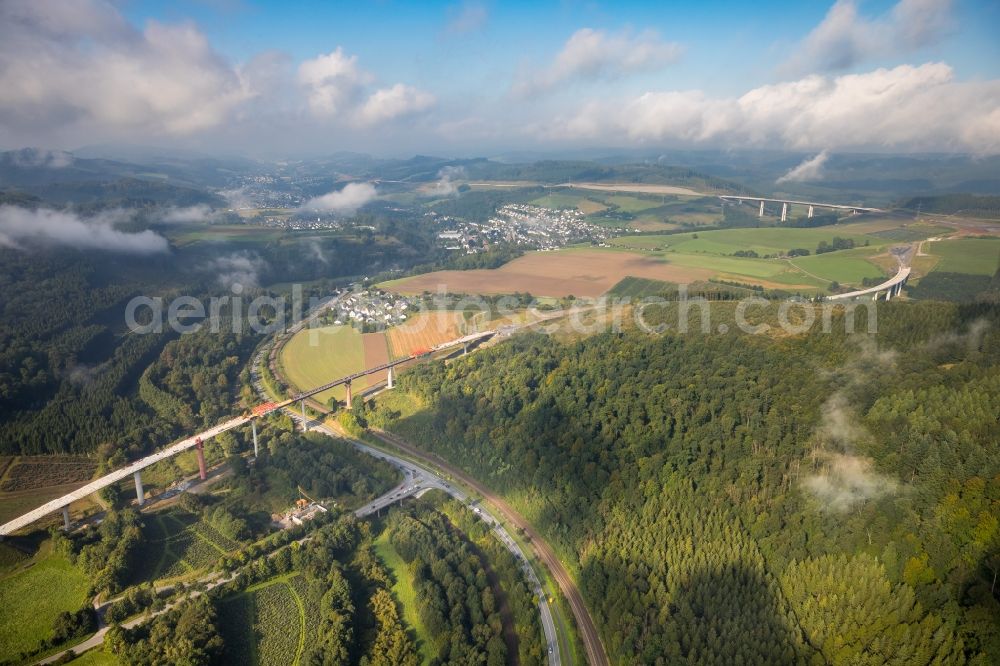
x,y
417,480
588,631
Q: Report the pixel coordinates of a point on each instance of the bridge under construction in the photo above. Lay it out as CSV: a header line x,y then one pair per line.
x,y
197,441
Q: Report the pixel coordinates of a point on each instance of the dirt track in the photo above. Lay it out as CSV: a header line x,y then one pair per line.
x,y
588,632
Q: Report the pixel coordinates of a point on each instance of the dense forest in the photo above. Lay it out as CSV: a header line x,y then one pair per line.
x,y
74,379
457,601
712,490
947,204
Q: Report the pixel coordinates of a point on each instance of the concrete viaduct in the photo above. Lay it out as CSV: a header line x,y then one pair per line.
x,y
812,205
888,289
197,441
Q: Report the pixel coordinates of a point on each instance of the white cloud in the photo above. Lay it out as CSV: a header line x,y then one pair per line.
x,y
38,157
596,54
843,478
906,107
810,169
335,86
333,81
237,268
845,38
395,102
347,200
80,64
22,228
188,214
445,185
466,17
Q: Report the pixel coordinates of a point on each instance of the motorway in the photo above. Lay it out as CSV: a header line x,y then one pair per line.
x,y
118,475
596,656
903,254
417,480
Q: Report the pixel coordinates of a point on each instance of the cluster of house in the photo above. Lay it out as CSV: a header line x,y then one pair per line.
x,y
371,306
520,224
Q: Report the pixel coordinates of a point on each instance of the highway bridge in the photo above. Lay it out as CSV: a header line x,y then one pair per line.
x,y
810,205
890,288
197,441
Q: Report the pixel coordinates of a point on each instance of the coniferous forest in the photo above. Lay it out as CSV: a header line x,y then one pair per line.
x,y
814,498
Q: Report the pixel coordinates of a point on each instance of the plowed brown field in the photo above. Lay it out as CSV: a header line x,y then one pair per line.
x,y
586,273
424,330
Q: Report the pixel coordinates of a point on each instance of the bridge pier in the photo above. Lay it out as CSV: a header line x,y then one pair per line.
x,y
784,212
349,402
199,449
305,419
65,513
810,213
761,213
140,494
253,429
391,379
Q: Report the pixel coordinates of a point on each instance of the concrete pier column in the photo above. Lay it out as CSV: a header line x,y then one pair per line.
x,y
350,403
761,213
784,212
465,349
199,449
65,512
140,494
305,418
810,213
391,379
253,429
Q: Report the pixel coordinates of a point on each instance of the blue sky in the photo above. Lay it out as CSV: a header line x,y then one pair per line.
x,y
394,77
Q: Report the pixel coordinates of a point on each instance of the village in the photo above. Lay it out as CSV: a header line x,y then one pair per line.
x,y
371,307
520,224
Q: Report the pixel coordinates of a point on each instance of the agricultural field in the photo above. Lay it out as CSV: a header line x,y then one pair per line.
x,y
424,330
315,356
226,233
763,241
581,202
27,482
907,233
34,472
40,589
266,624
642,188
577,272
846,266
974,256
376,352
177,544
632,287
630,204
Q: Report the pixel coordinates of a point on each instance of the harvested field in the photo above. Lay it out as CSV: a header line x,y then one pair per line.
x,y
315,356
585,273
639,187
376,351
32,472
425,330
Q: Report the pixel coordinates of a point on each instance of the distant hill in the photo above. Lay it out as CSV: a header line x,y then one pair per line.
x,y
970,205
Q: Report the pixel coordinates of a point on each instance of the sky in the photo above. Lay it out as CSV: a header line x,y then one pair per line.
x,y
284,79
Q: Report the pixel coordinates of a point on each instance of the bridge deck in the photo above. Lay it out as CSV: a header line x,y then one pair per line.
x,y
904,272
185,444
815,204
